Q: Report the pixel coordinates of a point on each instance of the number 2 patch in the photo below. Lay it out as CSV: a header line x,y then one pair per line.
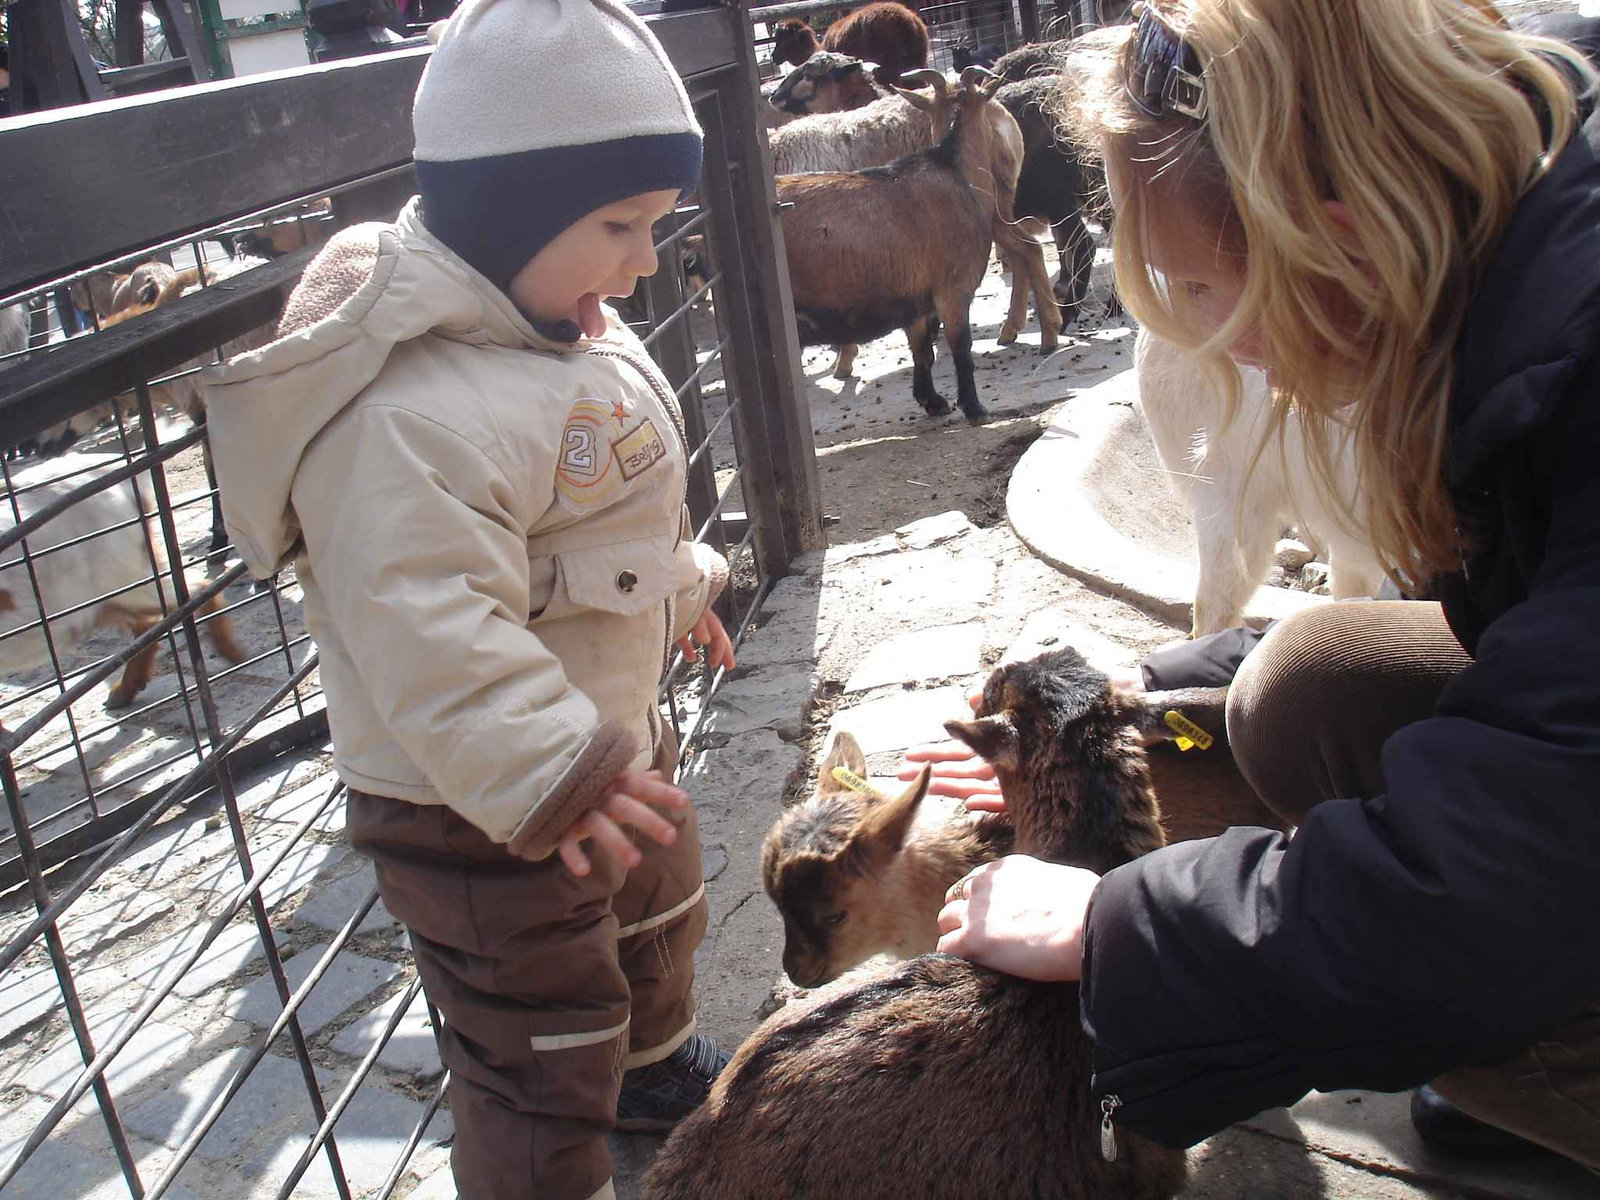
x,y
600,454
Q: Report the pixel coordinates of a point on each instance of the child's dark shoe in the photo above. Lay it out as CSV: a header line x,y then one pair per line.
x,y
657,1097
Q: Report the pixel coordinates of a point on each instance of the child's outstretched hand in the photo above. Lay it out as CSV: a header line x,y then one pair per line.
x,y
712,638
628,801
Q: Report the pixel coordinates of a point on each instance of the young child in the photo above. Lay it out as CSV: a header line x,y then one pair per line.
x,y
479,475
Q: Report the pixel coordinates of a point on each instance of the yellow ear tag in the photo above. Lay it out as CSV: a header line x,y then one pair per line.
x,y
1189,734
845,777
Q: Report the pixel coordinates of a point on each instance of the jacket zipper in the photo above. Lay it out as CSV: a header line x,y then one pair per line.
x,y
1108,1131
667,404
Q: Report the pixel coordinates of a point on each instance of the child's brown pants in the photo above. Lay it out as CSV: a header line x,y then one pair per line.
x,y
1308,714
550,986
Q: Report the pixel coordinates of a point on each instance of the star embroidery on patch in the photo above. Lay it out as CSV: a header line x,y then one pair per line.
x,y
619,410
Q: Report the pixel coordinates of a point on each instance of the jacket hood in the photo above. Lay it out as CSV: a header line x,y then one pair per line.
x,y
1535,315
371,288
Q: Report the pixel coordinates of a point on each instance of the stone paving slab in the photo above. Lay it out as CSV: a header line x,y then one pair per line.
x,y
369,1135
351,978
895,723
274,1093
775,700
152,1050
332,902
931,531
1373,1130
942,652
235,948
26,994
411,1049
61,1172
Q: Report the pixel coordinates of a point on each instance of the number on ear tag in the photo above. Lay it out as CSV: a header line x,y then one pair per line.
x,y
1189,734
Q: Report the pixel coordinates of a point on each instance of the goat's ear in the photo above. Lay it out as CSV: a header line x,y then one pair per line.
x,y
918,99
436,31
1205,709
994,738
148,291
887,822
845,752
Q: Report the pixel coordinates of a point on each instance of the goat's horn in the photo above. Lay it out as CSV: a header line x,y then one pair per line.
x,y
934,79
974,75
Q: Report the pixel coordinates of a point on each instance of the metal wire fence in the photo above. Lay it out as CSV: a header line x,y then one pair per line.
x,y
992,26
186,937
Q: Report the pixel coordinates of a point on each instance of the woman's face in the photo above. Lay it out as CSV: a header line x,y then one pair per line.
x,y
1204,275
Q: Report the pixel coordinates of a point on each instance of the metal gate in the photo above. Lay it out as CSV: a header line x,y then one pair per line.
x,y
162,857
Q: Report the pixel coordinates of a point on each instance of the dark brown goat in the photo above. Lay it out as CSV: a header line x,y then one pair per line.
x,y
793,41
938,1078
887,33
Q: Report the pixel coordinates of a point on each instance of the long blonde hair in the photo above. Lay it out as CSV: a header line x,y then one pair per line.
x,y
1415,115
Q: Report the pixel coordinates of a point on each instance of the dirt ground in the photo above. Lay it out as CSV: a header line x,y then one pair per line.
x,y
882,462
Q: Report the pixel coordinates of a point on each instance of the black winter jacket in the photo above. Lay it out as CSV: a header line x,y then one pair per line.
x,y
1456,918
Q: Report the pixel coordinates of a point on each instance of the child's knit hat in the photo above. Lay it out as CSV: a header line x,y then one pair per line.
x,y
534,113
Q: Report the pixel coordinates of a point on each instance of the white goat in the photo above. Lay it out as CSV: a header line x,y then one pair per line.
x,y
1239,511
104,579
881,132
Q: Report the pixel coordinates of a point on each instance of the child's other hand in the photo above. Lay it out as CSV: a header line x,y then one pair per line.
x,y
712,638
628,801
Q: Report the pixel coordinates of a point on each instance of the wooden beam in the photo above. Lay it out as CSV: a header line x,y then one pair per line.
x,y
46,388
182,160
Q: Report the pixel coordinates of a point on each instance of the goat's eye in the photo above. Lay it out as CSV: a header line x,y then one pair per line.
x,y
618,227
835,918
1196,290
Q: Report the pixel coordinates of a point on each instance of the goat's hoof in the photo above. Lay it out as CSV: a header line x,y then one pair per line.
x,y
118,700
1047,344
1007,334
844,372
936,407
974,412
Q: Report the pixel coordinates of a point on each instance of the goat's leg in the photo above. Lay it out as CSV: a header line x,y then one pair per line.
x,y
137,673
1031,259
1017,314
1234,552
844,365
220,630
920,334
217,556
1352,569
1075,248
958,335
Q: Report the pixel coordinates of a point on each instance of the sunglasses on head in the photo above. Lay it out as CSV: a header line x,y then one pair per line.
x,y
1165,76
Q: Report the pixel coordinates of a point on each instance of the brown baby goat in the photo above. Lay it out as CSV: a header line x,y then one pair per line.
x,y
855,873
938,1078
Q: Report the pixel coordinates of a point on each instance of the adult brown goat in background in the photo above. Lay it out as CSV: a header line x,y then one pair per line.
x,y
938,1078
905,246
885,32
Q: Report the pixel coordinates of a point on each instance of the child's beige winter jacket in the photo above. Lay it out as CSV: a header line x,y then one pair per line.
x,y
488,527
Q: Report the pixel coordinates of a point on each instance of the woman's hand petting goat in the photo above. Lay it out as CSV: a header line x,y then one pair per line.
x,y
1019,915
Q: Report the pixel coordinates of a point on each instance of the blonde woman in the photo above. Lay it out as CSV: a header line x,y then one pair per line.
x,y
1393,206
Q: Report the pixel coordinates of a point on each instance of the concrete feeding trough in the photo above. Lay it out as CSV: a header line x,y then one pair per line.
x,y
1090,497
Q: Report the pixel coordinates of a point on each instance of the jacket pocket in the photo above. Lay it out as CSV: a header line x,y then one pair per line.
x,y
623,578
